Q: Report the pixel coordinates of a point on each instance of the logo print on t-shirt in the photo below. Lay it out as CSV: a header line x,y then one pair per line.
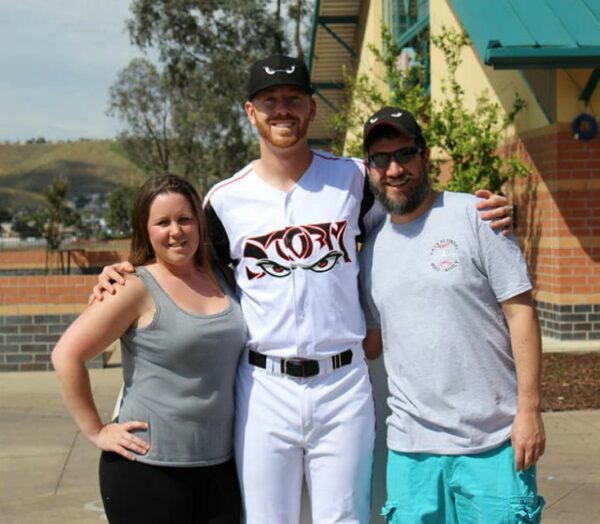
x,y
444,255
315,247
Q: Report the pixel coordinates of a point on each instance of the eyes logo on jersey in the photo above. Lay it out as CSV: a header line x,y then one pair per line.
x,y
270,71
315,247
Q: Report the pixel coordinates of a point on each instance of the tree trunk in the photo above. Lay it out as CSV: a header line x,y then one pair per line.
x,y
298,30
279,33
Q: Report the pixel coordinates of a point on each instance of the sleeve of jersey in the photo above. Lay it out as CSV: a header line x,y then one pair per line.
x,y
218,236
371,212
504,262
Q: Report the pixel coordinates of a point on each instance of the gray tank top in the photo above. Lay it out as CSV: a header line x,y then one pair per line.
x,y
179,374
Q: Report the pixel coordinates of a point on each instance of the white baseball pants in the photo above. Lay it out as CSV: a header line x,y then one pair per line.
x,y
321,427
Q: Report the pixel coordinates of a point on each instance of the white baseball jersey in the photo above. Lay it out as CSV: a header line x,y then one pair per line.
x,y
295,254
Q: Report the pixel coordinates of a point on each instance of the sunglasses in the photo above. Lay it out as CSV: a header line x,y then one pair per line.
x,y
401,156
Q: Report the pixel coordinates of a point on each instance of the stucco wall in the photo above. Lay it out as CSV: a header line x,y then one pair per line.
x,y
370,20
475,77
503,84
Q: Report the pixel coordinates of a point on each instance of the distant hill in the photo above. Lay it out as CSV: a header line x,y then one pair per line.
x,y
90,166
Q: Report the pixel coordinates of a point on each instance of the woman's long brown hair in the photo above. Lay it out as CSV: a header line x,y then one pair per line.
x,y
141,251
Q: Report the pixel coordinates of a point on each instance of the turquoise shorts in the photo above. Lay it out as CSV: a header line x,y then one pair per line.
x,y
449,489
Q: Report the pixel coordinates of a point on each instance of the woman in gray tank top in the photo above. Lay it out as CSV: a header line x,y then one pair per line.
x,y
168,456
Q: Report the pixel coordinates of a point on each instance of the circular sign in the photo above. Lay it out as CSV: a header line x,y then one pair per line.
x,y
584,127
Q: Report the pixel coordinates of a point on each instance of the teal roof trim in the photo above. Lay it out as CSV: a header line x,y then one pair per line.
x,y
542,57
519,34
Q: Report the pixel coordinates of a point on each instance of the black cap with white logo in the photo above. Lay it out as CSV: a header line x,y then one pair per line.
x,y
278,70
400,119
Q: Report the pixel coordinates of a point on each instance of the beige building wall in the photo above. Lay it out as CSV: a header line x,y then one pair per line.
x,y
475,77
551,95
370,19
569,85
561,87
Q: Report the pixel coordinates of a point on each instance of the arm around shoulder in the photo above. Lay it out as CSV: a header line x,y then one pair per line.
x,y
110,275
496,209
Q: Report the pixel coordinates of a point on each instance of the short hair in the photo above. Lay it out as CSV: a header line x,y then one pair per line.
x,y
387,132
141,251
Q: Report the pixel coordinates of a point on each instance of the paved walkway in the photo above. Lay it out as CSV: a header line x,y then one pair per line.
x,y
48,471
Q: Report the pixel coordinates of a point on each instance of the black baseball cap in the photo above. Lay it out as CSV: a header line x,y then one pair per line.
x,y
278,70
400,119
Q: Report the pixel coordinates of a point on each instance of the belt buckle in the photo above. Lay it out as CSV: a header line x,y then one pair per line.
x,y
298,367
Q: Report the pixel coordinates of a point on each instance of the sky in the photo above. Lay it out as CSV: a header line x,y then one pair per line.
x,y
58,59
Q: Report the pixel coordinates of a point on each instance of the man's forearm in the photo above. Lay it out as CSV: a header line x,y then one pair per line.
x,y
527,435
526,346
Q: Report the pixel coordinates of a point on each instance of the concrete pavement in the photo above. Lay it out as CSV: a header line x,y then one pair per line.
x,y
48,471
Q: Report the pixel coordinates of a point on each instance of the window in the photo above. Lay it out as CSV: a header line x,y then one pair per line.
x,y
408,21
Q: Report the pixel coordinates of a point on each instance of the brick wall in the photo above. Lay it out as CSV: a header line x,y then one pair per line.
x,y
40,290
558,223
34,312
26,341
570,321
77,261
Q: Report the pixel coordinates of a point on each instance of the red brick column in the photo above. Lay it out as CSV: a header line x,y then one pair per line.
x,y
558,224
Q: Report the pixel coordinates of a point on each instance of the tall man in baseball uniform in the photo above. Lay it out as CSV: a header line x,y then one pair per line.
x,y
450,299
288,224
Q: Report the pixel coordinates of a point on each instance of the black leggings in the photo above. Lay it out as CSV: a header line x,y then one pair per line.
x,y
133,492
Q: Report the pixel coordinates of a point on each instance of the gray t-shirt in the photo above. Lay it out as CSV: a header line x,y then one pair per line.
x,y
179,375
434,286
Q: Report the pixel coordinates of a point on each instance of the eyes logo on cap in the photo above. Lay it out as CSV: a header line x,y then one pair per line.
x,y
393,115
271,71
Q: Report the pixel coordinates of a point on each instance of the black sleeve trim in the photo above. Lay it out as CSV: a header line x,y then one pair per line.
x,y
218,237
368,199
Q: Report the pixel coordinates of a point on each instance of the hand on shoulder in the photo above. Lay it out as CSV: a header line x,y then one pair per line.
x,y
109,280
128,293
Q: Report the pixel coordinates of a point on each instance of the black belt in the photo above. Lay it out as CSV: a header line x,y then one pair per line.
x,y
300,367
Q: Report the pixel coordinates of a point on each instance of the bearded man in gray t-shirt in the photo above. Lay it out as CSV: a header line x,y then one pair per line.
x,y
449,300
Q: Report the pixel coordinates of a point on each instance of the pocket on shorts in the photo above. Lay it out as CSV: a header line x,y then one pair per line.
x,y
390,512
526,510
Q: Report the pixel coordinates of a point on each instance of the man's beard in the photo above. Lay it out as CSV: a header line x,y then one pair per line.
x,y
407,203
264,130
